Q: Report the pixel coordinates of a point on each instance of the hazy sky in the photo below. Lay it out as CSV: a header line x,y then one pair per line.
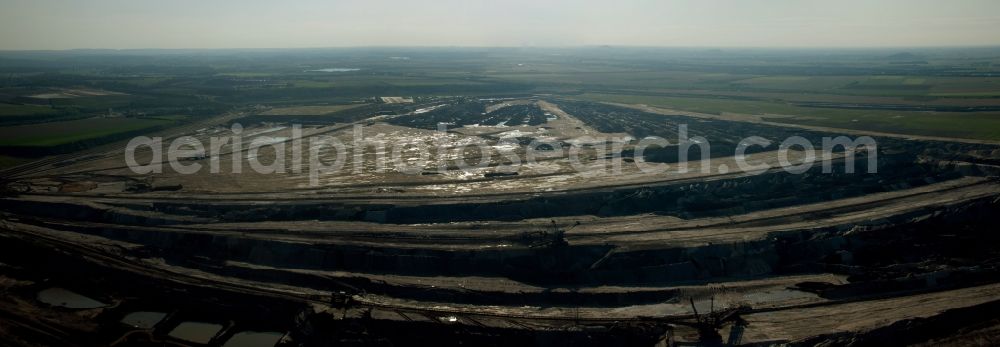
x,y
61,24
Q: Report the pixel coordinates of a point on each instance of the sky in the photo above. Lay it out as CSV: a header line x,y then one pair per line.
x,y
133,24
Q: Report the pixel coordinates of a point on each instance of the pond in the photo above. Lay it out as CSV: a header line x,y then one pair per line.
x,y
143,319
254,339
64,298
197,332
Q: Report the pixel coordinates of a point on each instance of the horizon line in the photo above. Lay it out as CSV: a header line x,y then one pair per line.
x,y
709,47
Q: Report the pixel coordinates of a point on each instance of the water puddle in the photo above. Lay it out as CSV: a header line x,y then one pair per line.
x,y
64,298
196,332
143,320
254,339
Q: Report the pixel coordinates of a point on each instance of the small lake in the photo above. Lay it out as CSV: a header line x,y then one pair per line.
x,y
64,298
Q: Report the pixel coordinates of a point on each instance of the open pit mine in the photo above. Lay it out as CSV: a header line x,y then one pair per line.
x,y
463,241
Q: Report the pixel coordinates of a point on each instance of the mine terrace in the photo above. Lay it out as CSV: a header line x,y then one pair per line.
x,y
472,246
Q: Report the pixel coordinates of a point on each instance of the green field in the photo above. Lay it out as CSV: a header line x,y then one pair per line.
x,y
978,125
309,110
10,110
986,94
66,132
940,92
172,117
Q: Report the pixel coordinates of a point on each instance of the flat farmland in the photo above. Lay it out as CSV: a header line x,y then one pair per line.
x,y
66,132
973,125
19,111
309,110
14,114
